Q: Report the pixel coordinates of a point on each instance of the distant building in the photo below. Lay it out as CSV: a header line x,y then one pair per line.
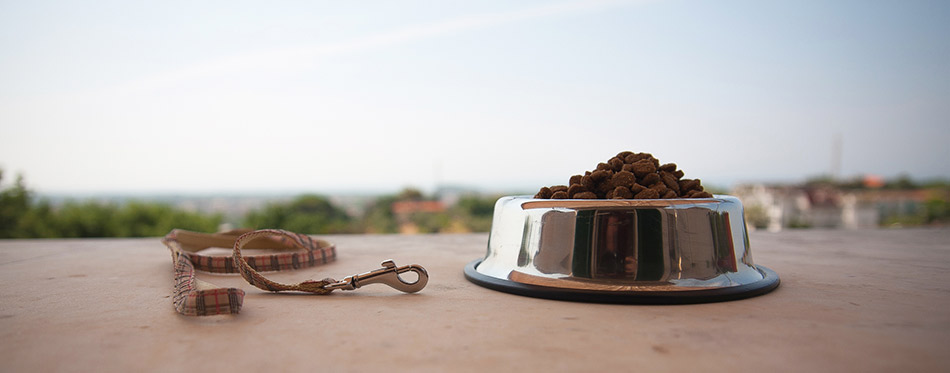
x,y
777,207
405,208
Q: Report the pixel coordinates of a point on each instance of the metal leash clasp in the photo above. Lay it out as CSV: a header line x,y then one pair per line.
x,y
388,275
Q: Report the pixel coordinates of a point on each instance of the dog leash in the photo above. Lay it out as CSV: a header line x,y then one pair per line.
x,y
193,297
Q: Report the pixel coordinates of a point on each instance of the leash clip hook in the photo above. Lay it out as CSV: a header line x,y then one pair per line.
x,y
388,274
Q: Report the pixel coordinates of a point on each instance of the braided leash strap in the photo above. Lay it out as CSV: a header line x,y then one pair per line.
x,y
194,297
255,278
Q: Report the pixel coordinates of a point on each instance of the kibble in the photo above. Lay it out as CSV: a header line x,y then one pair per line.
x,y
669,167
670,181
628,175
647,194
574,189
650,179
623,178
622,192
643,168
544,193
576,179
585,195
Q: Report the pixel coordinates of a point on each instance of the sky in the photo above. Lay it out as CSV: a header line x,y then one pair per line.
x,y
374,96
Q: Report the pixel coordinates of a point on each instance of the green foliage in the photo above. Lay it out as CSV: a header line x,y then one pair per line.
x,y
309,214
936,211
137,219
14,205
20,217
939,184
470,214
410,194
798,224
476,212
429,222
477,206
902,182
757,216
902,221
820,180
94,219
38,222
86,219
379,217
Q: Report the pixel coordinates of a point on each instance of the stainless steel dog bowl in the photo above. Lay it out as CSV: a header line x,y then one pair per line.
x,y
661,251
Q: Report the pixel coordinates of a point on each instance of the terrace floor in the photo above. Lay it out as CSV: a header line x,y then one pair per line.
x,y
873,300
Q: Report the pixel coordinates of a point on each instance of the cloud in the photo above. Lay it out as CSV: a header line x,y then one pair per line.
x,y
303,57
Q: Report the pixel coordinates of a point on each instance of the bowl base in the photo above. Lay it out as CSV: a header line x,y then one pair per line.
x,y
769,282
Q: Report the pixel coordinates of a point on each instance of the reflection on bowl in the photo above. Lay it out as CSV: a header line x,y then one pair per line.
x,y
621,251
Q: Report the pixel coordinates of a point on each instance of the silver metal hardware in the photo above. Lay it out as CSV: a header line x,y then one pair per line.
x,y
388,274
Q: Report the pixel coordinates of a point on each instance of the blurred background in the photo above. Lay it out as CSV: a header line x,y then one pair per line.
x,y
132,118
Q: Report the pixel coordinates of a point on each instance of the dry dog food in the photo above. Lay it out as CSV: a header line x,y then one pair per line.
x,y
629,175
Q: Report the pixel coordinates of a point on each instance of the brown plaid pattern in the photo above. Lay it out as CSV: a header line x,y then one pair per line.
x,y
248,268
193,297
190,301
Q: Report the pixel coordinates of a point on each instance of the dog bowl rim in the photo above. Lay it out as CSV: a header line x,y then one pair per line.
x,y
770,281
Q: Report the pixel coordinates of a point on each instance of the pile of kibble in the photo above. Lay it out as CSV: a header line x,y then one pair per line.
x,y
629,175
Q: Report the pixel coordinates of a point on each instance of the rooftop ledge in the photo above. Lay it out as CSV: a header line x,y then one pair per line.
x,y
872,300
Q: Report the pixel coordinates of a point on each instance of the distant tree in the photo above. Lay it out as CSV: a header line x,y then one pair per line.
x,y
430,222
379,217
856,182
309,214
94,219
715,189
137,219
410,194
820,180
14,205
87,219
756,216
39,222
941,184
903,182
853,183
21,217
937,211
475,212
477,206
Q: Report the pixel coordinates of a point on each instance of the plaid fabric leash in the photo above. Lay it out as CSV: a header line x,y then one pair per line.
x,y
194,297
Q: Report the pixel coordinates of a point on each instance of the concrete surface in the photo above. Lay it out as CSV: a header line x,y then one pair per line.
x,y
858,301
